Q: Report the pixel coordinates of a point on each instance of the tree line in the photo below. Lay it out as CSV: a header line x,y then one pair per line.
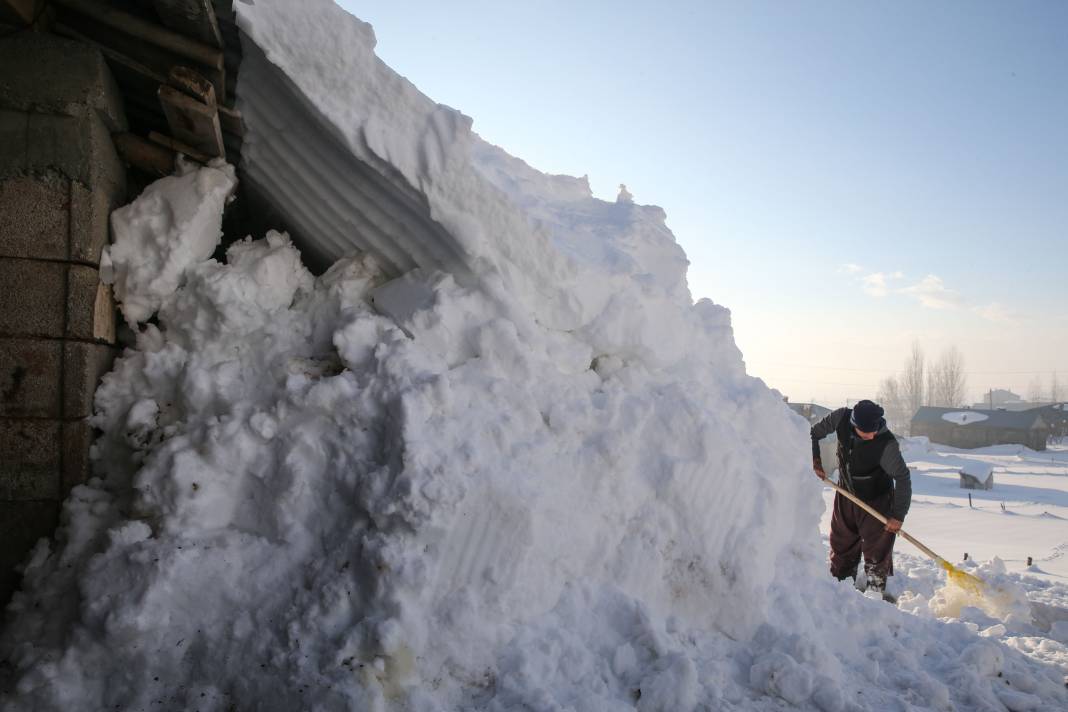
x,y
939,383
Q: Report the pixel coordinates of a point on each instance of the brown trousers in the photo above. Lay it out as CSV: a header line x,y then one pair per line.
x,y
855,532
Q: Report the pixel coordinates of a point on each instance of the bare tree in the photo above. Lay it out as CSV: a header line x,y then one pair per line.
x,y
1054,388
913,383
946,380
1035,392
896,411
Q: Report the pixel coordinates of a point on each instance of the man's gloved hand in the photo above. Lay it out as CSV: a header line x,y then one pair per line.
x,y
817,467
893,525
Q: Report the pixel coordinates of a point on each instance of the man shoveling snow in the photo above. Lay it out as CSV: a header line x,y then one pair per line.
x,y
870,466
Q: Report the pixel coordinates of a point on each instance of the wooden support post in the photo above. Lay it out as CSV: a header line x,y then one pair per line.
x,y
144,155
193,84
192,122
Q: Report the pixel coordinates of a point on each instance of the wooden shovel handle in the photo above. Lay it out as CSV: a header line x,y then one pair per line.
x,y
870,510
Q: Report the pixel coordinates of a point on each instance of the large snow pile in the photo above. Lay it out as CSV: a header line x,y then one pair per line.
x,y
342,493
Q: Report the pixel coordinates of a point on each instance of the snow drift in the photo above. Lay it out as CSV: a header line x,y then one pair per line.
x,y
542,481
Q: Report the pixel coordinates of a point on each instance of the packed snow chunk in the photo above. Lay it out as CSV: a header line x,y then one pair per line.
x,y
779,674
1017,701
673,687
998,596
978,469
174,224
964,417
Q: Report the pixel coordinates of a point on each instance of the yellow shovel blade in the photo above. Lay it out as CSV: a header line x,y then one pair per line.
x,y
962,578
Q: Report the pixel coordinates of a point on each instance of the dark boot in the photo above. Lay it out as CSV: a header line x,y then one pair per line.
x,y
876,583
850,574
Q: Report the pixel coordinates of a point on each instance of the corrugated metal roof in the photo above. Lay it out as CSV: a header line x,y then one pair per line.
x,y
1015,420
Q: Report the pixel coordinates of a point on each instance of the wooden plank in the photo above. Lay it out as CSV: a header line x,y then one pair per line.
x,y
192,84
192,18
232,121
146,42
192,122
178,146
132,66
144,155
140,82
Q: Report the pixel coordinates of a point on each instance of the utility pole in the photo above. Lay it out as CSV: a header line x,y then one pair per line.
x,y
991,399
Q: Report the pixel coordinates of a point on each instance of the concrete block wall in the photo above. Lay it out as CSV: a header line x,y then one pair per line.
x,y
60,177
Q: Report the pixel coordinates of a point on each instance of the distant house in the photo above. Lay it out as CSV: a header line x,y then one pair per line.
x,y
1056,417
970,428
1000,398
977,476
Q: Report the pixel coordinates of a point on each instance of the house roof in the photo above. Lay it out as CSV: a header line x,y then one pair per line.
x,y
1014,420
1052,413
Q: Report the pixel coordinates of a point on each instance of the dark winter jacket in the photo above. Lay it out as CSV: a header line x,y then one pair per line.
x,y
867,468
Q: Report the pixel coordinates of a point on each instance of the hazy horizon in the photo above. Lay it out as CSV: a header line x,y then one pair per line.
x,y
846,178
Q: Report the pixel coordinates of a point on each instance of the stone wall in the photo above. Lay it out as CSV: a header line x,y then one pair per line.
x,y
59,180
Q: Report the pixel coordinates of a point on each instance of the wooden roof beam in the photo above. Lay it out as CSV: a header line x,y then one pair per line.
x,y
206,59
193,18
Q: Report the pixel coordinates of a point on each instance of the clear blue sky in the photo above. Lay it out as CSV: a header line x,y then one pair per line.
x,y
925,144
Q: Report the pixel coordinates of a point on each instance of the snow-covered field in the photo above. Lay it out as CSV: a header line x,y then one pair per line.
x,y
546,484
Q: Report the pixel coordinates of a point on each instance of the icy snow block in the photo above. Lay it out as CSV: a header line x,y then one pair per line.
x,y
49,74
30,377
401,298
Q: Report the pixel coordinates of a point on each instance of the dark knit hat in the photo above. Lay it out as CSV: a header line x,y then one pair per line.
x,y
867,416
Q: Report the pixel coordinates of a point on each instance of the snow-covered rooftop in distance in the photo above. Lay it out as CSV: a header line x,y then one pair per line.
x,y
978,469
964,417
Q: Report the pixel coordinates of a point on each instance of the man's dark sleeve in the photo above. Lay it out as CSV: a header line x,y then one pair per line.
x,y
894,465
824,428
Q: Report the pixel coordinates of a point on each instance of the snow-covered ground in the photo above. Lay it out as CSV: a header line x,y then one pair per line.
x,y
547,485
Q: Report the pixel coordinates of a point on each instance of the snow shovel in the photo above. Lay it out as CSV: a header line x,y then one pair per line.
x,y
962,578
